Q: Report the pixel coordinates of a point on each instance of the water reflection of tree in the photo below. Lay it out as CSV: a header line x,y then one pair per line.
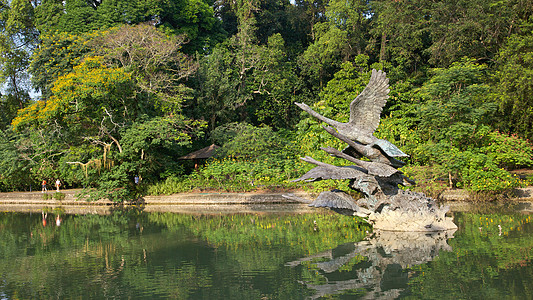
x,y
113,258
486,263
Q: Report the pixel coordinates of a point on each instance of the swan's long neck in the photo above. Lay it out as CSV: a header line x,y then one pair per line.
x,y
313,113
325,120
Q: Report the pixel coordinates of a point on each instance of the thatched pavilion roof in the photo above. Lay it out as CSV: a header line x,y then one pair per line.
x,y
202,153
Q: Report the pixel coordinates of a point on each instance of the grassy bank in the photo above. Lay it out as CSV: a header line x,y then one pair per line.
x,y
232,175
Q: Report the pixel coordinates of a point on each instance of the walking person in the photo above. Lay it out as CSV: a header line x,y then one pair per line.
x,y
58,184
43,185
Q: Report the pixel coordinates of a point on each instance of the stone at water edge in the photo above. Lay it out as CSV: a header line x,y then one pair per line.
x,y
416,221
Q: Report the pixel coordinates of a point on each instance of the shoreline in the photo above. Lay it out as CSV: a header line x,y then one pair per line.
x,y
206,203
220,202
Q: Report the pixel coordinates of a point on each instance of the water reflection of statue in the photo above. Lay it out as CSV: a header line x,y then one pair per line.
x,y
384,204
383,272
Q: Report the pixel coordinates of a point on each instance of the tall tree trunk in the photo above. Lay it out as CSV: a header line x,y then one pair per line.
x,y
212,121
382,51
16,91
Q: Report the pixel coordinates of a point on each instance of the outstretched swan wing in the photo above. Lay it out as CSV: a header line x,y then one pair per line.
x,y
366,109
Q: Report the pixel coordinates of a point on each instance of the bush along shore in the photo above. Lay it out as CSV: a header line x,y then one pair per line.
x,y
231,175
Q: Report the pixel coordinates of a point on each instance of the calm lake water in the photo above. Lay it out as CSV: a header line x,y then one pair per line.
x,y
136,255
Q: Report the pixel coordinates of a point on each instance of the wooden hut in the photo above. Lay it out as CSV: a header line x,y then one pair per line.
x,y
202,154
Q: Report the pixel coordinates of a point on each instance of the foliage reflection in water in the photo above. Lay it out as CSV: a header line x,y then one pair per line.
x,y
131,254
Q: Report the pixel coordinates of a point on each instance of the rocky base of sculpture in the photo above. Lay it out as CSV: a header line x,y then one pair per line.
x,y
402,211
419,221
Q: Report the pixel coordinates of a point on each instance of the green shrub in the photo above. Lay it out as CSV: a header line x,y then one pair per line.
x,y
58,196
245,141
491,178
431,181
235,175
507,151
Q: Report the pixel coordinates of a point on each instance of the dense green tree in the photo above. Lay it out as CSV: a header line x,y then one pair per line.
x,y
115,12
18,37
456,104
243,81
412,33
77,17
514,83
352,17
339,39
195,18
322,58
48,15
223,74
315,12
270,17
244,141
454,124
400,34
296,29
275,86
472,28
216,89
9,105
15,172
28,157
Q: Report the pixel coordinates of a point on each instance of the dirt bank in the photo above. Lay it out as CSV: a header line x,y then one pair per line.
x,y
183,202
463,195
210,202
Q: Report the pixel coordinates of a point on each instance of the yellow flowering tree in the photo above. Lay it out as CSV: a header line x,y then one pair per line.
x,y
92,97
57,55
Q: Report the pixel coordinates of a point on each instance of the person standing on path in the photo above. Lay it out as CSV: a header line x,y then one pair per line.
x,y
58,184
43,185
